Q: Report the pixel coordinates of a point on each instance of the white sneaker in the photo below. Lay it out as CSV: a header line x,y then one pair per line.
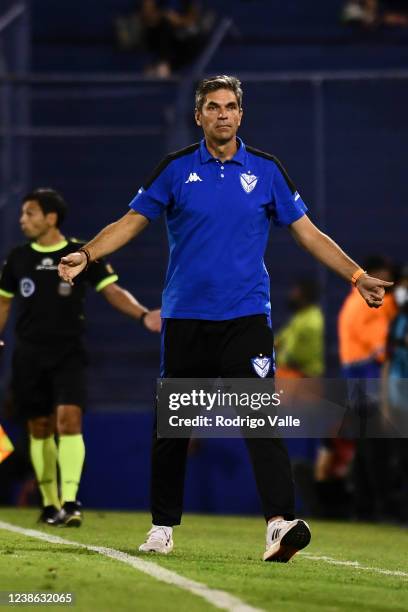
x,y
284,539
160,540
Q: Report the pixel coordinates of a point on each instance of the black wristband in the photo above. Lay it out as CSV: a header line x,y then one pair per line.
x,y
142,318
87,255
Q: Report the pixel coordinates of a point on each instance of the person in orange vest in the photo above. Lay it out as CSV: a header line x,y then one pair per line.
x,y
363,331
363,336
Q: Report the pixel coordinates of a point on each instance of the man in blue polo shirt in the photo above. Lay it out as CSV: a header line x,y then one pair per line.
x,y
219,197
218,218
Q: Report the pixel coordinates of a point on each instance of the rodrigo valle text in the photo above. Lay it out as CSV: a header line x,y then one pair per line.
x,y
238,421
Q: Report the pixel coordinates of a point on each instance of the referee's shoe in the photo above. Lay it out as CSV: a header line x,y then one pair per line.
x,y
70,514
50,515
285,538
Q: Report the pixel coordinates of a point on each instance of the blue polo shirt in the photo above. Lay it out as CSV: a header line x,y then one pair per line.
x,y
218,217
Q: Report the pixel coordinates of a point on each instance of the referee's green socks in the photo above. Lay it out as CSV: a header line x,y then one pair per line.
x,y
71,456
43,453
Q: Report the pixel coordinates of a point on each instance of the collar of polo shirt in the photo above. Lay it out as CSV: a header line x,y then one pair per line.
x,y
239,157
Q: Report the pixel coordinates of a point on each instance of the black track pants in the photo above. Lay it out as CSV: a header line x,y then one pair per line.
x,y
208,349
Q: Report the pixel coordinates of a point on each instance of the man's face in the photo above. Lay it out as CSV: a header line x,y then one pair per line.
x,y
33,222
220,116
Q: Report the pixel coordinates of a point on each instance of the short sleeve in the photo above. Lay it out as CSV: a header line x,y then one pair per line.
x,y
287,206
8,281
101,274
155,195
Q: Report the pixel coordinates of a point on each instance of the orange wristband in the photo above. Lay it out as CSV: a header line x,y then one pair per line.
x,y
357,275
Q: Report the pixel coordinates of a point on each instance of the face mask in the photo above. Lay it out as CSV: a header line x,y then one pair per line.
x,y
401,296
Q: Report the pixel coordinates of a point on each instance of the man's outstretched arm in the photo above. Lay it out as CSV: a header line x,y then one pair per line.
x,y
109,240
323,248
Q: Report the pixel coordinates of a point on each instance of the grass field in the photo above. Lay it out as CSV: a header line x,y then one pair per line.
x,y
221,552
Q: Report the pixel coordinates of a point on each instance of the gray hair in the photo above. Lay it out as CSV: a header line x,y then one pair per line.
x,y
213,84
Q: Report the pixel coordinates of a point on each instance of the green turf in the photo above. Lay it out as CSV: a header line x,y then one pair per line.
x,y
222,552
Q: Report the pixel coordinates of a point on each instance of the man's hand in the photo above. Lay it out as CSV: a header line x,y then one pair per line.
x,y
109,240
71,265
152,321
325,250
372,290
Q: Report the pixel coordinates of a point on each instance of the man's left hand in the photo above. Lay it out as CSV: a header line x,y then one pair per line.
x,y
372,290
152,321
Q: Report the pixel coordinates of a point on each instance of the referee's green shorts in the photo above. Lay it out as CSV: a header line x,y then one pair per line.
x,y
44,377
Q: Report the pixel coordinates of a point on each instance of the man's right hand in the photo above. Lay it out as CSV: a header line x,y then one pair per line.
x,y
71,265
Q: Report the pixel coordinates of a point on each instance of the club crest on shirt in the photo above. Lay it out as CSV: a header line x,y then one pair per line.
x,y
261,365
64,289
27,287
248,181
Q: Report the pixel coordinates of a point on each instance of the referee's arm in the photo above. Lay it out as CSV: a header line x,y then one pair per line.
x,y
324,249
126,303
5,304
109,240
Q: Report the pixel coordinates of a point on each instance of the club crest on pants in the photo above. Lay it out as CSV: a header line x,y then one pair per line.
x,y
261,365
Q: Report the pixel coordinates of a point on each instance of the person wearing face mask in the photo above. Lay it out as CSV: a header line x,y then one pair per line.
x,y
396,365
299,344
395,395
395,370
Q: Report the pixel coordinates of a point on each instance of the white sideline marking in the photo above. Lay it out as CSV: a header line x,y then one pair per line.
x,y
355,564
219,599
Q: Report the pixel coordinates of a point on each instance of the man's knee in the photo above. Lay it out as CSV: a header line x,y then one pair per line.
x,y
69,420
41,427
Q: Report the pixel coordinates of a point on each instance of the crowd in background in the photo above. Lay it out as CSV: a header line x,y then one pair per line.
x,y
173,32
376,13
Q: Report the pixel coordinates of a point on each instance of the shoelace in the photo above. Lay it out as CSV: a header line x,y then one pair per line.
x,y
157,535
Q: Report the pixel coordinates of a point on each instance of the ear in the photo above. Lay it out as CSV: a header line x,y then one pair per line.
x,y
197,117
52,219
241,112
